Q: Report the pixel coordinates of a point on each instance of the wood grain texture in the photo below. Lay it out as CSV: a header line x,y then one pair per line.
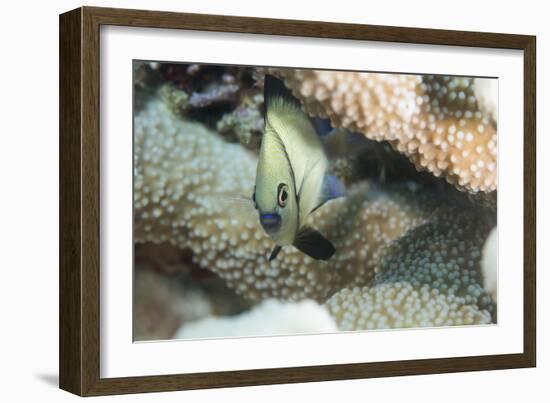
x,y
530,201
80,200
70,270
90,201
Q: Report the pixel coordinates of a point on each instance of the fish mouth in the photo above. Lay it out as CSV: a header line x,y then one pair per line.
x,y
270,222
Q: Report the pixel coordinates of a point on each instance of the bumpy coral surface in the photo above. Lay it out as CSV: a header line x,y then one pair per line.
x,y
436,121
408,251
401,305
187,183
428,277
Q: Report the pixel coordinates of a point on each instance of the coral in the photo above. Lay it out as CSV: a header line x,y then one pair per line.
x,y
146,78
246,122
409,246
214,94
177,99
170,291
183,102
145,73
186,180
221,97
444,253
161,305
486,93
376,161
401,305
489,262
428,277
269,318
436,121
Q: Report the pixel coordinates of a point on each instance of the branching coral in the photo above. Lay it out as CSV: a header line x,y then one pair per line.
x,y
221,97
428,277
186,180
435,121
245,121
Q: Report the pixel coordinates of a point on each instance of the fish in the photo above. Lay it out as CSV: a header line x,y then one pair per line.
x,y
291,176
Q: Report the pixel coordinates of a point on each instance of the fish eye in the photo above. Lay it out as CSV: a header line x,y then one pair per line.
x,y
282,194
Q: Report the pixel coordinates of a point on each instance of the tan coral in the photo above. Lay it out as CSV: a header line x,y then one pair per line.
x,y
428,277
186,179
434,120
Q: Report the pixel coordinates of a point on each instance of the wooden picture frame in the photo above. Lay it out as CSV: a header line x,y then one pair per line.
x,y
79,200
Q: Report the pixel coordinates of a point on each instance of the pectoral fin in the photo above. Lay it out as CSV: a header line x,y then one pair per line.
x,y
313,244
275,252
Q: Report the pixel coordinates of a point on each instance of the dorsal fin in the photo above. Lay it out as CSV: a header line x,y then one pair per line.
x,y
275,88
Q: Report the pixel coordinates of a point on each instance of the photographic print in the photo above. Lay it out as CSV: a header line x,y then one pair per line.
x,y
282,201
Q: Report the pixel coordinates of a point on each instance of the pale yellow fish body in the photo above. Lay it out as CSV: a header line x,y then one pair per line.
x,y
291,153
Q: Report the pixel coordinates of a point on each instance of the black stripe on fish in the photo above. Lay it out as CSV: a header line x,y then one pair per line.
x,y
313,244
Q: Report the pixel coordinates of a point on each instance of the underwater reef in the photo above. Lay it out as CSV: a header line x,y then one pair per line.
x,y
445,125
409,235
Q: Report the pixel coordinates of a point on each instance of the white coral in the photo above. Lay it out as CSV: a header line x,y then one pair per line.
x,y
489,263
486,91
269,318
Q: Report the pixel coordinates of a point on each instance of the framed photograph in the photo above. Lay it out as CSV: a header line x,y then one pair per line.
x,y
249,201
